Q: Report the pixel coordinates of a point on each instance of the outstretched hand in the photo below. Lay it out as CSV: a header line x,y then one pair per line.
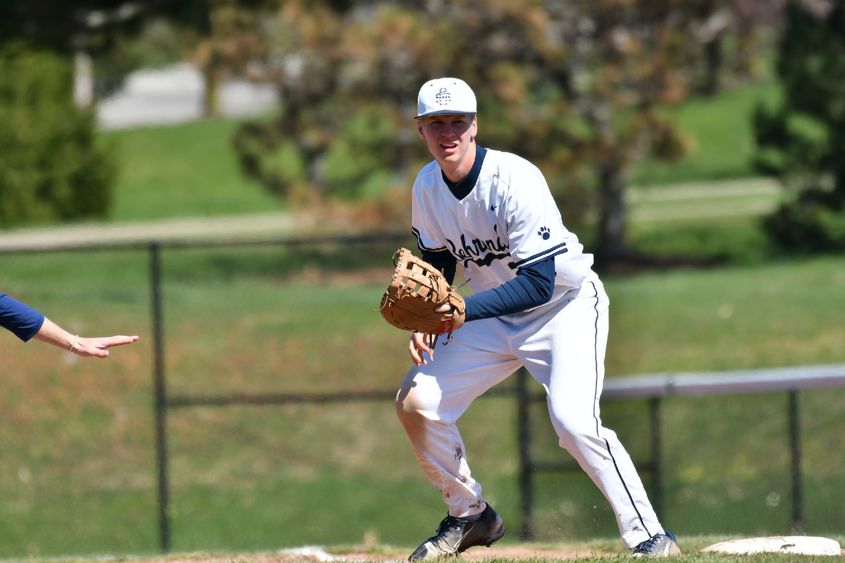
x,y
98,346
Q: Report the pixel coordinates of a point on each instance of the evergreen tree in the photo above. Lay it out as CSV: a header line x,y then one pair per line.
x,y
802,140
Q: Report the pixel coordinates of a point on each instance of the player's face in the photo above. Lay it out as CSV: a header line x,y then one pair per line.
x,y
450,140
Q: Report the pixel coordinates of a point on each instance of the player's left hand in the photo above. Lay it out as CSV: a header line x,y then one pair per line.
x,y
420,345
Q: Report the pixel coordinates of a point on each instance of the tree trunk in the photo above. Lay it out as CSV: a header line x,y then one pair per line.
x,y
713,66
212,79
211,97
612,244
83,79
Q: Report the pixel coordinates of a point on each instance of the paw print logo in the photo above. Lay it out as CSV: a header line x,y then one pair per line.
x,y
544,232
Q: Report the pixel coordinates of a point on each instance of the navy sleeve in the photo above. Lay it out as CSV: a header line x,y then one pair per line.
x,y
443,261
20,319
532,286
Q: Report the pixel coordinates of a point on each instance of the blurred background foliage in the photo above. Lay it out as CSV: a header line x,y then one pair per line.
x,y
580,92
587,90
802,139
53,166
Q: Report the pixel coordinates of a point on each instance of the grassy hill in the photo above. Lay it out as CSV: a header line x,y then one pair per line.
x,y
720,134
182,170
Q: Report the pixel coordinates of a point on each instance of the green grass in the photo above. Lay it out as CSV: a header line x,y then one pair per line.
x,y
721,138
77,473
183,170
763,315
705,223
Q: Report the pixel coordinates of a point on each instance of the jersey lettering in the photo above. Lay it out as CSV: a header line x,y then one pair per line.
x,y
481,252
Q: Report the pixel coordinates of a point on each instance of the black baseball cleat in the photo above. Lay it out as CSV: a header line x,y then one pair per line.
x,y
455,535
658,545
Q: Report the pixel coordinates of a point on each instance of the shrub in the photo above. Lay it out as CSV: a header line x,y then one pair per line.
x,y
814,222
51,164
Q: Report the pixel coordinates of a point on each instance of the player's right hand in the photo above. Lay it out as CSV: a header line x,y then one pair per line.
x,y
420,345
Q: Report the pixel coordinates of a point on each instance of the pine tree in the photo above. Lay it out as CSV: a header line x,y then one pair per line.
x,y
801,142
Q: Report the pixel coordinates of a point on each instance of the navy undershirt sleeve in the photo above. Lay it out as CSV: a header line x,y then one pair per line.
x,y
532,286
22,320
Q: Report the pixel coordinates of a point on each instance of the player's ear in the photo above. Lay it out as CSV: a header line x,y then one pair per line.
x,y
420,129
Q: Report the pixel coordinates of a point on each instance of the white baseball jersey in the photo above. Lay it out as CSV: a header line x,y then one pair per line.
x,y
507,221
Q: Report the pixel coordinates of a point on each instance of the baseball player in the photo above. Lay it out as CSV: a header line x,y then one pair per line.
x,y
25,323
535,302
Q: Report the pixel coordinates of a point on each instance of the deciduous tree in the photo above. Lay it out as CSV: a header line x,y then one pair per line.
x,y
578,87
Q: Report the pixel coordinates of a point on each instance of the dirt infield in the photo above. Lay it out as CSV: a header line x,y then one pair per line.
x,y
306,554
508,553
535,553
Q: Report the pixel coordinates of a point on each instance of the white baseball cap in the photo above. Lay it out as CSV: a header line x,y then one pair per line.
x,y
443,96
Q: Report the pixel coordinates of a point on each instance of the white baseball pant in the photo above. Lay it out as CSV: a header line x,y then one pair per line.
x,y
562,345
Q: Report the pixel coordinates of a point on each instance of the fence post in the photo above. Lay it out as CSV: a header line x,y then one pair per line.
x,y
160,398
656,456
526,464
795,456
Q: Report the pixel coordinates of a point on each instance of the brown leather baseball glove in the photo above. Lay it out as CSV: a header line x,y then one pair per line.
x,y
415,291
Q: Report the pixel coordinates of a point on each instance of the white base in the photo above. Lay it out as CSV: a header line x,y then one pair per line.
x,y
804,545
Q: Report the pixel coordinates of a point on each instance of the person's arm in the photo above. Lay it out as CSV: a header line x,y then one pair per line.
x,y
98,346
19,318
26,322
532,287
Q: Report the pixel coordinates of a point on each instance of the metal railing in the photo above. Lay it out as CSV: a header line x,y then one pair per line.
x,y
656,388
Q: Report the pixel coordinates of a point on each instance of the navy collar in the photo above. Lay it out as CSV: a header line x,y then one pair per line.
x,y
461,188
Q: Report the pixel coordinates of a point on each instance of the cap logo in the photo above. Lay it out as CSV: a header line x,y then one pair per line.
x,y
443,97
